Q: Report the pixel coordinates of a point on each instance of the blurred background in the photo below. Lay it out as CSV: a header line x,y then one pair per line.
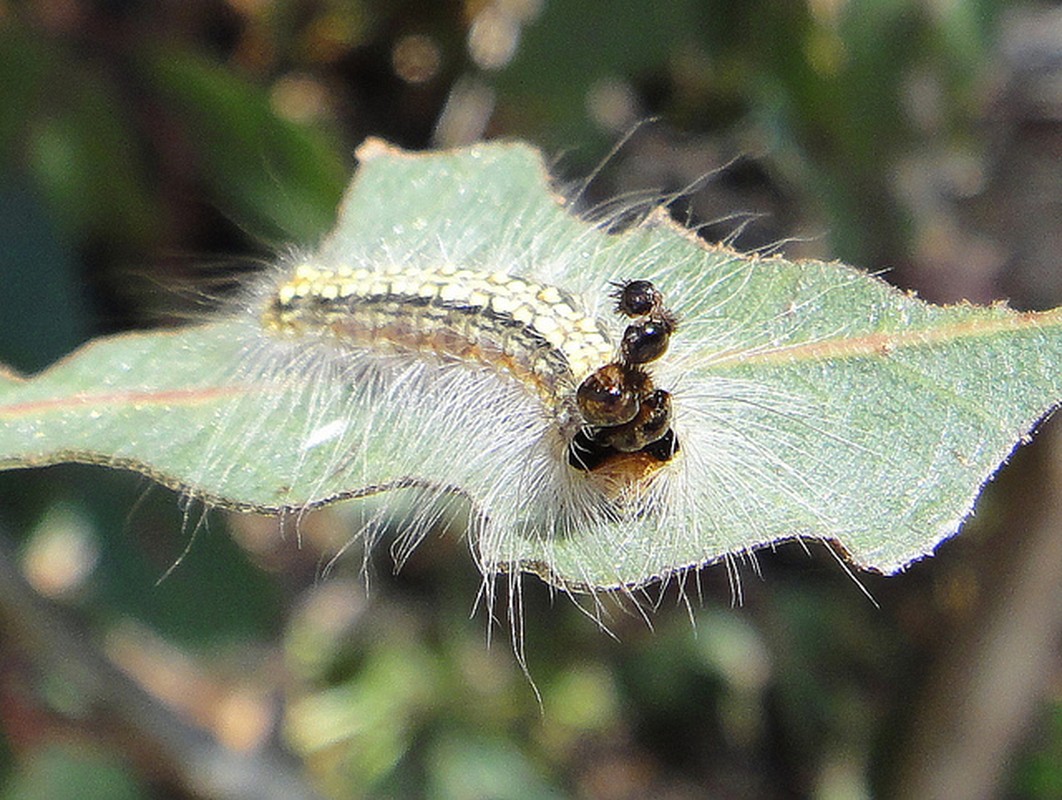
x,y
177,140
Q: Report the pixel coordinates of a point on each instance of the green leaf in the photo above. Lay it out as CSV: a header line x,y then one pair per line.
x,y
66,772
810,400
72,135
276,177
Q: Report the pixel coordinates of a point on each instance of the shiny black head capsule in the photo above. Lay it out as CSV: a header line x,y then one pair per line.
x,y
637,298
645,341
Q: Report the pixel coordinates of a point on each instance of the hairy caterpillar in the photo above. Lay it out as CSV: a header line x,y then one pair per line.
x,y
616,426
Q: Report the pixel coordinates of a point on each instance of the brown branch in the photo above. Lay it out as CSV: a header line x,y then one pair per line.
x,y
188,755
990,678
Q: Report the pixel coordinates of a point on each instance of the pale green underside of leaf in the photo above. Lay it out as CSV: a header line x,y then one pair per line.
x,y
904,411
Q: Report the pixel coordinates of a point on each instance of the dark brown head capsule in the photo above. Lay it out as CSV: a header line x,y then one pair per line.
x,y
609,397
645,341
637,298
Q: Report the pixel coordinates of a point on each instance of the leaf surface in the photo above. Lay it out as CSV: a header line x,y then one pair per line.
x,y
811,400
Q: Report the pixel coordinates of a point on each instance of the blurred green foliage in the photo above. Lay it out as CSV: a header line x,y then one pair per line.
x,y
133,131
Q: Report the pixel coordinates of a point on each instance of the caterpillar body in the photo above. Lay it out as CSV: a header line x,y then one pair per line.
x,y
616,423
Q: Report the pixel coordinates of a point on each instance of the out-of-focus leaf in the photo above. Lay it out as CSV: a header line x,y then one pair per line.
x,y
572,50
51,316
23,63
65,126
84,154
467,767
281,180
68,773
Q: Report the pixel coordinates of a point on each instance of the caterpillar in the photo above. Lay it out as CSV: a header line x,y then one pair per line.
x,y
615,423
494,367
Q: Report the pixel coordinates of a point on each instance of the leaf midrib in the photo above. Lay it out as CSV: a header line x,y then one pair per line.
x,y
885,343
